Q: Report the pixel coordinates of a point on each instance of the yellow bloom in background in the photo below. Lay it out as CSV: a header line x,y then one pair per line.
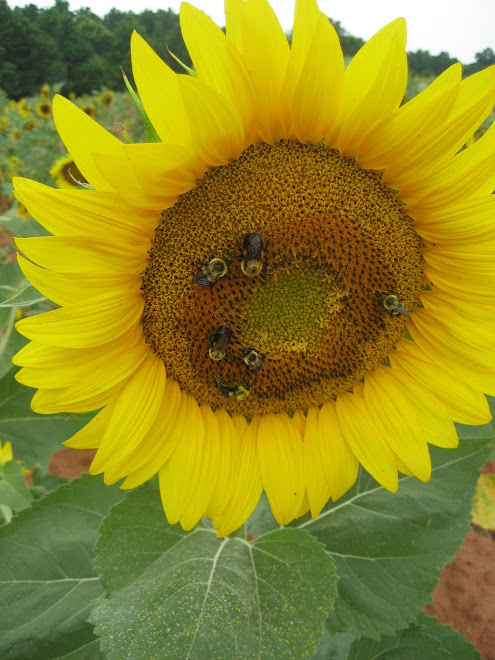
x,y
44,109
29,125
6,453
89,109
108,98
23,213
45,91
66,173
297,280
72,95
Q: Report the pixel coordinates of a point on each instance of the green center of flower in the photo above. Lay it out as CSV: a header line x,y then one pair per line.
x,y
280,280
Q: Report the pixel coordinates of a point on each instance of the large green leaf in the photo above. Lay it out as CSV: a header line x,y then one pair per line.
x,y
391,548
426,640
34,437
47,581
178,595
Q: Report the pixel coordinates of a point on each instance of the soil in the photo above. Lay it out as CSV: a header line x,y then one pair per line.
x,y
464,598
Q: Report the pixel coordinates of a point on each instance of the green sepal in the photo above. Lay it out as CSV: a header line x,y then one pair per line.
x,y
151,134
190,71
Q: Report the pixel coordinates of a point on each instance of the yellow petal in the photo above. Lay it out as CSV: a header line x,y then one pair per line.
x,y
89,323
145,460
134,413
392,412
117,169
164,168
472,310
306,15
254,28
451,333
41,357
317,97
460,286
280,456
374,86
365,439
105,377
217,131
89,437
47,402
205,484
65,367
473,104
464,223
314,474
158,89
227,464
397,141
82,254
82,136
218,63
180,474
65,289
339,463
468,175
463,403
246,487
446,352
85,212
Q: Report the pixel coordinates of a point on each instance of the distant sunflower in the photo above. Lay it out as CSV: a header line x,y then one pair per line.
x,y
297,280
44,109
107,99
66,173
89,109
45,91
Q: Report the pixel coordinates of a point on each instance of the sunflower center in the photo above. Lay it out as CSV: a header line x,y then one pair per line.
x,y
280,280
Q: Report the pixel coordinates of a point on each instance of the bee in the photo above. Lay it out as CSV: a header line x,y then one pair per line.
x,y
239,391
253,360
393,304
209,273
219,343
252,251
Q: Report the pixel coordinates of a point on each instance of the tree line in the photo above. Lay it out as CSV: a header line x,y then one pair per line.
x,y
85,51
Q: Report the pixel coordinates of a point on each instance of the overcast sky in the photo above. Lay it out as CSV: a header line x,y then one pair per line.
x,y
460,27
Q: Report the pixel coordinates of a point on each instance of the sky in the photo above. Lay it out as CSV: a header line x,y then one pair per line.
x,y
460,27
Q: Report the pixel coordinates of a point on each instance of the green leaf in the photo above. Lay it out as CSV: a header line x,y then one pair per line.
x,y
26,297
13,488
178,595
391,548
34,437
425,639
333,647
47,581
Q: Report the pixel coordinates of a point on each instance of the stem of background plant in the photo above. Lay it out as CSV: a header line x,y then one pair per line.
x,y
8,330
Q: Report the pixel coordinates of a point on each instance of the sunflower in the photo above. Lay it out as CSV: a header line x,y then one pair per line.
x,y
66,174
44,109
108,98
45,91
296,280
89,109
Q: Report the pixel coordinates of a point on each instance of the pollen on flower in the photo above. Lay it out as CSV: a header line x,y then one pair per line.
x,y
335,241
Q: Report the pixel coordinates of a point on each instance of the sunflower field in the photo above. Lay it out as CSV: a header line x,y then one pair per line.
x,y
260,297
